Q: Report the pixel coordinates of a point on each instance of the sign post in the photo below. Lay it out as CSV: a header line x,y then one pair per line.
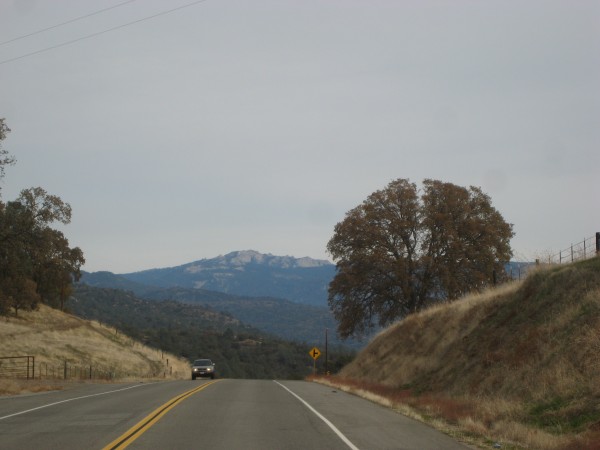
x,y
314,353
326,358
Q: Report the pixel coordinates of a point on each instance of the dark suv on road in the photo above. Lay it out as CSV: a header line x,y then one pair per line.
x,y
203,368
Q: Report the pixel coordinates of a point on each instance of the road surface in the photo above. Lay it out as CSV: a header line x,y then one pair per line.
x,y
221,415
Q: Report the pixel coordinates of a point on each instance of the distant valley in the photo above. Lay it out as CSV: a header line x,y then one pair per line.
x,y
283,296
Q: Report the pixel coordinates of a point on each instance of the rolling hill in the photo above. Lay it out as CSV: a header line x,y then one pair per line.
x,y
65,344
518,365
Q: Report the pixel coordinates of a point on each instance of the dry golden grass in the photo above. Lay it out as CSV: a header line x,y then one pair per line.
x,y
54,338
518,364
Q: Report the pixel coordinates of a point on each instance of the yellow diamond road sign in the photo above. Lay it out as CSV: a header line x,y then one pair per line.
x,y
315,353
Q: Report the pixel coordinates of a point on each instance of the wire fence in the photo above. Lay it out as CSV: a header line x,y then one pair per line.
x,y
17,367
25,367
585,249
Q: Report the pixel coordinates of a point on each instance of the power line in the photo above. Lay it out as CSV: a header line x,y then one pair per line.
x,y
65,23
162,13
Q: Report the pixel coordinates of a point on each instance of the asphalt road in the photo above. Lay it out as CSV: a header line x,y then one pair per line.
x,y
224,415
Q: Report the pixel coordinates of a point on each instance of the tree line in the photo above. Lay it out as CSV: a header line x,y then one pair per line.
x,y
36,262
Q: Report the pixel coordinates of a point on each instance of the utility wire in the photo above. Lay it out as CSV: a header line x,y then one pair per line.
x,y
162,13
67,22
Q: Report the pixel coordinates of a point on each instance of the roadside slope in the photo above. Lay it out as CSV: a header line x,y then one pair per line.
x,y
54,337
518,364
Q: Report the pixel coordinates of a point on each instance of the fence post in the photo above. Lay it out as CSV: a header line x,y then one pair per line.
x,y
598,244
65,377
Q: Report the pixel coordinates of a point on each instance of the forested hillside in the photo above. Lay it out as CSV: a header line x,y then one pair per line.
x,y
195,331
283,318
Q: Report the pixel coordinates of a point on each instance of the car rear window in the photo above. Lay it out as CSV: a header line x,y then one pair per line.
x,y
203,362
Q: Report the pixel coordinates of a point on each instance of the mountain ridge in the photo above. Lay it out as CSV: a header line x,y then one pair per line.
x,y
247,273
244,257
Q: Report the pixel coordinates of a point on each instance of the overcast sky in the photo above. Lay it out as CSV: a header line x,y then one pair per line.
x,y
253,124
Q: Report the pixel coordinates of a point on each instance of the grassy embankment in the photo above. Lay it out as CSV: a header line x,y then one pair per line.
x,y
518,365
54,338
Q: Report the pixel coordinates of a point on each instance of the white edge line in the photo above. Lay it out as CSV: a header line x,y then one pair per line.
x,y
69,400
320,416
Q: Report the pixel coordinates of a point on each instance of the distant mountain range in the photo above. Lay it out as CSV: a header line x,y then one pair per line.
x,y
248,273
284,296
281,295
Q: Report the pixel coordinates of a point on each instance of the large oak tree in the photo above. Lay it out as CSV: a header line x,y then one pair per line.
x,y
403,249
5,158
36,262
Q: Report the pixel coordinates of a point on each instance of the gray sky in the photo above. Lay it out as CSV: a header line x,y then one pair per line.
x,y
237,124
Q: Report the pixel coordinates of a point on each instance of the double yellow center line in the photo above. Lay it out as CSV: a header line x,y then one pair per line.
x,y
143,425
